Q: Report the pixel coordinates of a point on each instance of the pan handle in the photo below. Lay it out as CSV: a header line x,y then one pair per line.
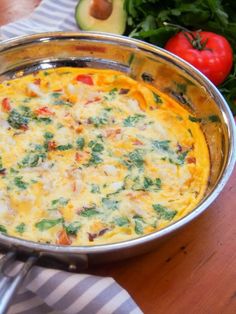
x,y
10,285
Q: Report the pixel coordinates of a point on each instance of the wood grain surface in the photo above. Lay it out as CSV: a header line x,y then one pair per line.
x,y
194,271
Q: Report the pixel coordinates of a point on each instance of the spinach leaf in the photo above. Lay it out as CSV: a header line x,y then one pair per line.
x,y
157,98
1,165
89,212
64,147
80,143
3,229
48,135
20,184
146,184
138,224
46,224
73,228
95,189
109,203
94,160
56,95
111,94
96,147
135,159
163,212
60,202
17,120
32,160
121,221
162,145
181,158
131,121
99,120
21,228
45,120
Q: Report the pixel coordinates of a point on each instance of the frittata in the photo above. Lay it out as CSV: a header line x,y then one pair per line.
x,y
91,156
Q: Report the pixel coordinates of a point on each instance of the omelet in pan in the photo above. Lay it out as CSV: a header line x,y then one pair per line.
x,y
91,156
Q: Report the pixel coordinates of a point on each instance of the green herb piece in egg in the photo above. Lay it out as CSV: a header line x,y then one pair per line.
x,y
3,229
164,212
46,224
21,228
72,228
80,143
131,121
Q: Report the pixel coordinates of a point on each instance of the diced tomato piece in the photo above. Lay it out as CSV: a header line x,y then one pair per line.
x,y
84,78
137,142
44,111
37,81
24,127
78,156
63,238
79,129
93,100
112,132
52,145
74,187
6,105
191,160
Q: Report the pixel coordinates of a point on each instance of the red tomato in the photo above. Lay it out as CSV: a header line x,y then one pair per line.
x,y
24,127
6,105
44,111
52,145
208,52
63,238
84,78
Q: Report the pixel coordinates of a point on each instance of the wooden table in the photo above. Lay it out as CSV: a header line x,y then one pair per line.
x,y
194,272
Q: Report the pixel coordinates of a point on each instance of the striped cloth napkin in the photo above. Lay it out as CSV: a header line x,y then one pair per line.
x,y
49,290
54,291
49,16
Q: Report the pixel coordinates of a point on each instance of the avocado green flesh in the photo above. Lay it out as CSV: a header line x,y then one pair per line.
x,y
114,24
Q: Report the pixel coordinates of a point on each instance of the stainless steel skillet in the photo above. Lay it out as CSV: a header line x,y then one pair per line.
x,y
142,62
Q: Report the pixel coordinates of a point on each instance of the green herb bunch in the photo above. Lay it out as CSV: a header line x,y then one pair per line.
x,y
147,18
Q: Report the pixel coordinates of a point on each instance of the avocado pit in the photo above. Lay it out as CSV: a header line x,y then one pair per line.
x,y
101,9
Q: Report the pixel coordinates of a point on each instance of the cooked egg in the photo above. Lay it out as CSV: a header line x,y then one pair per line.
x,y
91,156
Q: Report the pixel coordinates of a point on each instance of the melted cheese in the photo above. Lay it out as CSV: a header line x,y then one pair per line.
x,y
92,157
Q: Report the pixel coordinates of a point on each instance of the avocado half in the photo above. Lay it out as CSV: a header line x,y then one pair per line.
x,y
115,23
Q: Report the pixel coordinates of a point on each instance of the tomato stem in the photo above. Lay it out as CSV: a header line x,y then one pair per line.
x,y
194,38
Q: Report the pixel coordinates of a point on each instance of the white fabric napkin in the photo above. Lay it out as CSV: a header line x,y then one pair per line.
x,y
49,290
